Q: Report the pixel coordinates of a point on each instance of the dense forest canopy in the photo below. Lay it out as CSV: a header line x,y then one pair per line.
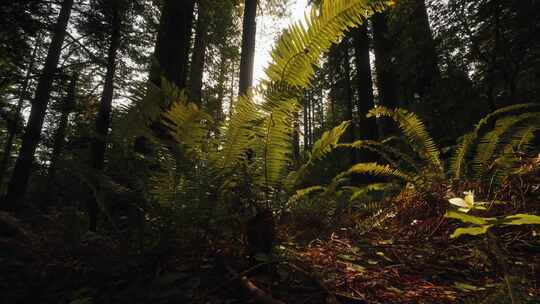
x,y
390,153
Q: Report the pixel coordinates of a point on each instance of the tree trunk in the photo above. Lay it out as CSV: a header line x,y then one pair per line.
x,y
60,134
103,119
386,76
218,114
23,166
249,31
367,128
428,73
198,56
173,43
13,127
349,135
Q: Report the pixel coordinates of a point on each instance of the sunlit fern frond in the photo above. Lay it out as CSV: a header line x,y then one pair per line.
x,y
277,131
373,169
188,125
415,130
239,133
304,193
321,148
393,156
298,50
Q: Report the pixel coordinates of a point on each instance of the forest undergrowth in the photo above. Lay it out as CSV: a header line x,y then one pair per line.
x,y
405,258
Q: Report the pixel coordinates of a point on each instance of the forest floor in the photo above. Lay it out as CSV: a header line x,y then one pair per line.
x,y
42,260
391,266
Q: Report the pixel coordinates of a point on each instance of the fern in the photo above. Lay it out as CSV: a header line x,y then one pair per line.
x,y
373,169
321,148
504,128
416,132
510,125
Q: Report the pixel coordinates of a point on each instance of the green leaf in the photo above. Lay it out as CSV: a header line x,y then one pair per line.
x,y
467,287
522,219
474,230
471,219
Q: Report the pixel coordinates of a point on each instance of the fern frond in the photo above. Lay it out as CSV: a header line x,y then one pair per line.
x,y
302,45
373,169
189,125
458,161
416,132
239,133
302,193
277,130
362,192
321,148
504,129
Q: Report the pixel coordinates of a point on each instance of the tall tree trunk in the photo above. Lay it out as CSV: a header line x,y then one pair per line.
x,y
218,115
233,85
350,134
13,126
103,119
386,76
249,31
198,55
60,134
367,128
172,56
173,43
306,124
23,166
427,70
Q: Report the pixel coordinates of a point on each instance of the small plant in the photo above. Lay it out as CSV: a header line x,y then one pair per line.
x,y
479,225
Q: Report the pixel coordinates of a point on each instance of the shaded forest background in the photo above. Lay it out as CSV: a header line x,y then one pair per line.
x,y
137,153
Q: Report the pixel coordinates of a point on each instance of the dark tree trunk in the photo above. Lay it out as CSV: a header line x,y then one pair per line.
x,y
198,56
173,43
249,30
13,125
23,166
349,106
60,134
386,76
172,57
103,119
218,115
367,128
428,73
306,124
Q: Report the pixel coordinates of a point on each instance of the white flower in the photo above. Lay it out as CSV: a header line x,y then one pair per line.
x,y
467,203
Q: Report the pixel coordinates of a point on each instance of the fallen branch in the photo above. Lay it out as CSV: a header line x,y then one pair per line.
x,y
259,295
331,298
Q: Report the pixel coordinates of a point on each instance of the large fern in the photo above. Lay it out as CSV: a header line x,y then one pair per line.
x,y
416,132
485,143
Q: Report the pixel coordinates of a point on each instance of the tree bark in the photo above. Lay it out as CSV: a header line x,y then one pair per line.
x,y
13,127
367,128
173,43
23,166
198,55
386,76
249,31
428,72
103,119
60,134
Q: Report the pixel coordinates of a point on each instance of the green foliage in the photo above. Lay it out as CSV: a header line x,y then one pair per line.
x,y
416,133
496,150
